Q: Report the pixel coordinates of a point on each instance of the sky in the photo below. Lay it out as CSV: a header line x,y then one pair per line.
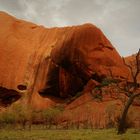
x,y
118,19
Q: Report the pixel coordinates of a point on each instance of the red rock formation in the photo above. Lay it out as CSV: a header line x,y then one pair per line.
x,y
55,61
59,62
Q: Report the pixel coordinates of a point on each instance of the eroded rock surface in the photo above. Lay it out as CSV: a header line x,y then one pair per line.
x,y
58,63
54,61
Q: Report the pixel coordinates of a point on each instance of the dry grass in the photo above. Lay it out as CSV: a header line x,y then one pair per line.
x,y
83,134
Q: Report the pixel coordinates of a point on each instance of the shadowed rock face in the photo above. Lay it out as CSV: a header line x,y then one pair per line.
x,y
8,96
54,61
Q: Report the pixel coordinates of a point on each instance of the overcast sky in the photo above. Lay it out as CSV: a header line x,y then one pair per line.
x,y
118,19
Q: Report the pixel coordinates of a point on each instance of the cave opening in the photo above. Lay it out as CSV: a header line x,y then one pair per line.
x,y
8,96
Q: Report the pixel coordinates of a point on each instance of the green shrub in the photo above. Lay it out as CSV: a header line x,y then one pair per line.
x,y
108,81
8,117
98,96
50,115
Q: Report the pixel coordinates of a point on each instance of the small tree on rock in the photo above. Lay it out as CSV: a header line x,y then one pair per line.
x,y
132,91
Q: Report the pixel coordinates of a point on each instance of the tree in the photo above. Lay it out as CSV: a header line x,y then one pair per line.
x,y
122,127
132,91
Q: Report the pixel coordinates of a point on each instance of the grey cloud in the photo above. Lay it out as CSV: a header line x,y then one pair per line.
x,y
43,11
12,6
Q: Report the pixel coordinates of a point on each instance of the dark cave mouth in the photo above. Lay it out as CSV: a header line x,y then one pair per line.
x,y
8,96
54,90
66,80
57,93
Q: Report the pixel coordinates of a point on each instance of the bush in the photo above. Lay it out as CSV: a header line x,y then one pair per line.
x,y
107,81
97,93
50,115
9,117
24,114
16,114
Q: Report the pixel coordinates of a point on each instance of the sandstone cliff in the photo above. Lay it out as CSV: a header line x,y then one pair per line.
x,y
56,63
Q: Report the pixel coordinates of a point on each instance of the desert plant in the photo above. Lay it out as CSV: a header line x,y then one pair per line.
x,y
130,90
97,93
108,81
50,115
23,114
8,117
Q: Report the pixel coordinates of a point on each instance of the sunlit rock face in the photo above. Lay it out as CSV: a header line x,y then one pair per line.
x,y
54,61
